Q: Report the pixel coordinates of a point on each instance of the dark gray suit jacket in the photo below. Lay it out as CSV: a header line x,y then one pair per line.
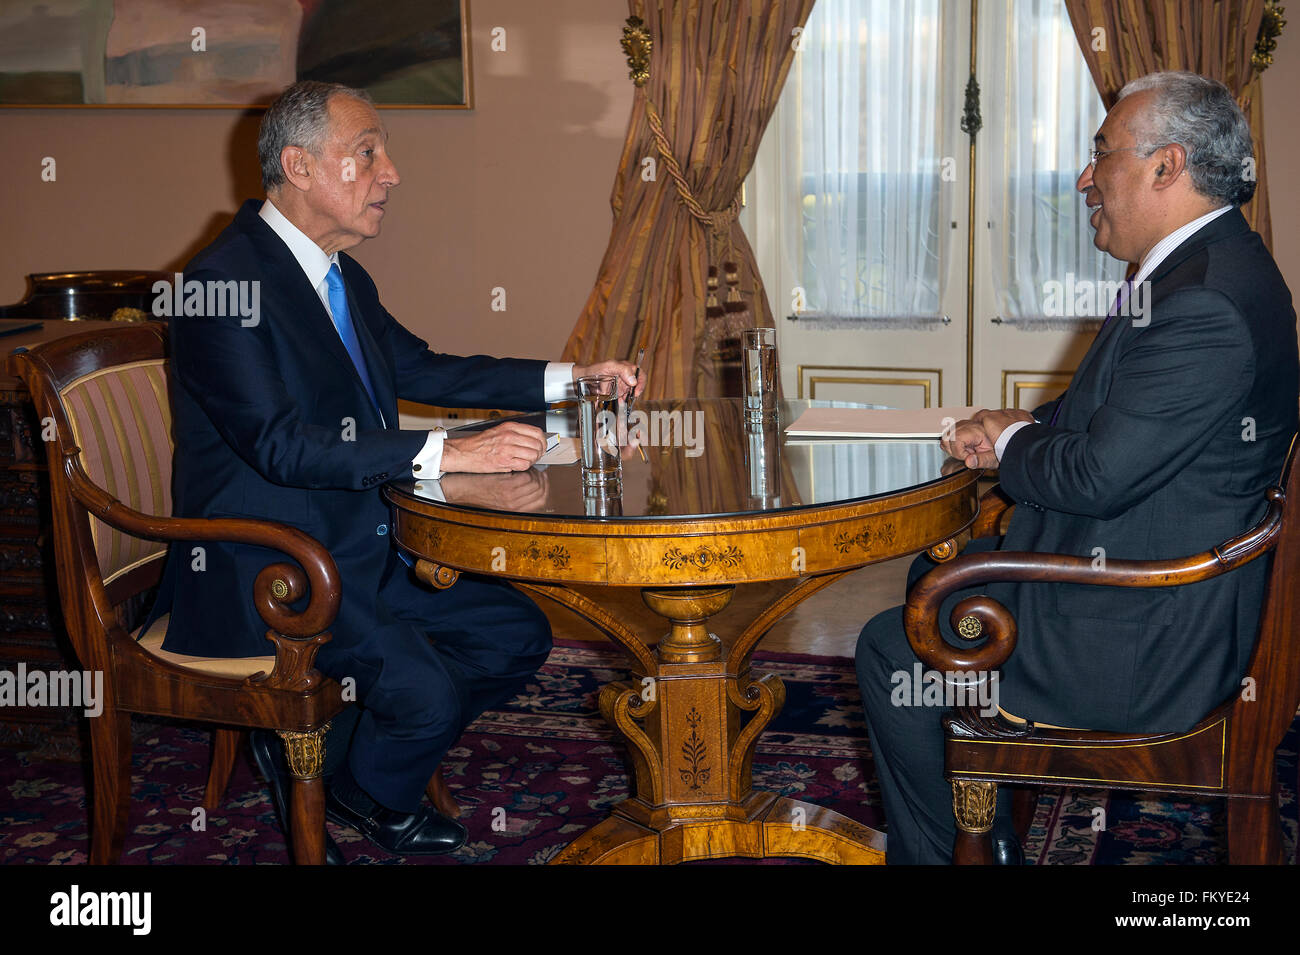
x,y
1162,446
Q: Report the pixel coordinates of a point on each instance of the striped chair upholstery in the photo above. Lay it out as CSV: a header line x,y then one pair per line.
x,y
109,390
121,419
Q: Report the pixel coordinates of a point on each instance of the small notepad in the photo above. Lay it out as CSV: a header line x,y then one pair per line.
x,y
876,423
563,451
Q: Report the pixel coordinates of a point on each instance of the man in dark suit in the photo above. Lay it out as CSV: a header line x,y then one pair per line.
x,y
290,414
1178,418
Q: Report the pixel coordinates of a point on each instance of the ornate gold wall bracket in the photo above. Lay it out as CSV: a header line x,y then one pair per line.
x,y
1270,28
637,45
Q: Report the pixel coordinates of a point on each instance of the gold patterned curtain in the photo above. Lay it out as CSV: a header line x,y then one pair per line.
x,y
1124,39
716,69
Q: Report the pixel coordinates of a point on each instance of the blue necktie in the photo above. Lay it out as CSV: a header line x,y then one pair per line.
x,y
343,322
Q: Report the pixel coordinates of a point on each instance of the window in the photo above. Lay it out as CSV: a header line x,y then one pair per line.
x,y
860,199
1043,112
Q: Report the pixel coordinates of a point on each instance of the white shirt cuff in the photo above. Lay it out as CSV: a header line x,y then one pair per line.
x,y
427,465
557,384
1000,445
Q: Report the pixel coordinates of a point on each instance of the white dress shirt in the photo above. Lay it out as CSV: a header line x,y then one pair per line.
x,y
557,382
1159,252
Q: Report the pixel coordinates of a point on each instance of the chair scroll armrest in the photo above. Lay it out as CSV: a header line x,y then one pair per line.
x,y
990,618
296,634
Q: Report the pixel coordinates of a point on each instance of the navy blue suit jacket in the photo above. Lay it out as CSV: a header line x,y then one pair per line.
x,y
261,421
1163,446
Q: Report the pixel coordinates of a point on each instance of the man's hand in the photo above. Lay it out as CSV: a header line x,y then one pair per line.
x,y
968,443
629,383
521,491
972,440
995,422
509,446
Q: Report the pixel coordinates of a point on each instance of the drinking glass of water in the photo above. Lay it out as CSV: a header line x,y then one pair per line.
x,y
760,373
598,422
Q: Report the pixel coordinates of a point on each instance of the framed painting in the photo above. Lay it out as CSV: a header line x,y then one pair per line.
x,y
231,53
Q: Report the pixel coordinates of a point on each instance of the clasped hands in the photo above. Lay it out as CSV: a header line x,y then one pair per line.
x,y
972,439
515,446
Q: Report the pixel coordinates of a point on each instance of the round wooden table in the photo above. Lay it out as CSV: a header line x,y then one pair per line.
x,y
717,503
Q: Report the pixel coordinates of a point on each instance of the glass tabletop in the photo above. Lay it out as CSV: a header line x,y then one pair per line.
x,y
702,458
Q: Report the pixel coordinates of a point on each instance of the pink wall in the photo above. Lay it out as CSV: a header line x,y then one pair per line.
x,y
514,193
1282,155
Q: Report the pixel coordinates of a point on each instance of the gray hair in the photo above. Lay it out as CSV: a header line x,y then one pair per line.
x,y
298,117
1200,115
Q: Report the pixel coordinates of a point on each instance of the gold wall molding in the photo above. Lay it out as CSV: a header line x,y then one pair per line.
x,y
928,385
1047,379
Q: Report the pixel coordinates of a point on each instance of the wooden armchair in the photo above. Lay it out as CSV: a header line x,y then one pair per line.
x,y
1229,752
101,398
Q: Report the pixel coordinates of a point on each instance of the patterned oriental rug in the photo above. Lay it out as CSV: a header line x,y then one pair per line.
x,y
553,765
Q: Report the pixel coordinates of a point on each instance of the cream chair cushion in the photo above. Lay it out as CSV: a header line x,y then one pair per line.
x,y
237,668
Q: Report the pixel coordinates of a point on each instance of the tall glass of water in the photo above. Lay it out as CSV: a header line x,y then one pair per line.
x,y
602,467
759,358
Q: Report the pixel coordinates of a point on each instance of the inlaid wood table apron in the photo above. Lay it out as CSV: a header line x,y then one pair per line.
x,y
716,505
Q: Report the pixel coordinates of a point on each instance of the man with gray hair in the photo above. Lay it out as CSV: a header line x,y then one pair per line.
x,y
1176,421
292,416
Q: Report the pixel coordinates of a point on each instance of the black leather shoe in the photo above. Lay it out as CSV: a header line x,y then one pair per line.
x,y
1007,851
424,832
268,753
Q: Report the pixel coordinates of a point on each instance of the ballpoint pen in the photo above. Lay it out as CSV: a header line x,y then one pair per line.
x,y
632,397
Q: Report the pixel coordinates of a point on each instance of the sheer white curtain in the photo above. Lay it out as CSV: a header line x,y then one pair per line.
x,y
1038,81
859,134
